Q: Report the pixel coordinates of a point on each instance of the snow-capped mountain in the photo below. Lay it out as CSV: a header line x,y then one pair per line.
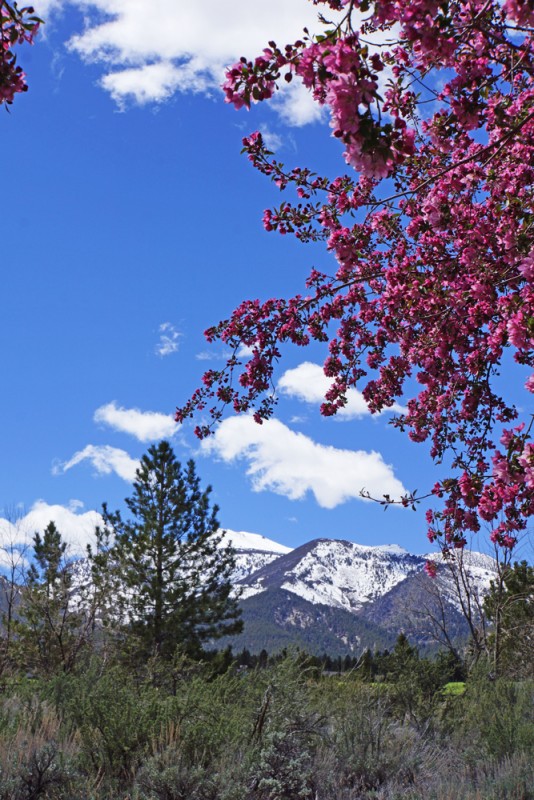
x,y
339,596
343,574
335,573
252,550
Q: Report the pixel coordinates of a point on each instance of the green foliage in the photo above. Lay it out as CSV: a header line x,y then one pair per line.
x,y
168,776
115,717
286,734
180,729
453,689
496,719
175,577
52,628
509,604
49,554
367,746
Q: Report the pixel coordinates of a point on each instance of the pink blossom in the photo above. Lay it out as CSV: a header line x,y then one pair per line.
x,y
431,568
526,267
17,27
432,290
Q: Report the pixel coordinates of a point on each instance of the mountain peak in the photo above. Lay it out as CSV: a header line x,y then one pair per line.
x,y
319,594
243,540
334,572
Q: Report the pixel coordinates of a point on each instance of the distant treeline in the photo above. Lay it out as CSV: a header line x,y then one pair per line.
x,y
381,665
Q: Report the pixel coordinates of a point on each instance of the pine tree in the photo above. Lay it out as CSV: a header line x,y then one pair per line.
x,y
47,569
175,577
55,619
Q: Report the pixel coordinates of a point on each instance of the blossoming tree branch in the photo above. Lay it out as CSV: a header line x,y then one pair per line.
x,y
434,272
16,27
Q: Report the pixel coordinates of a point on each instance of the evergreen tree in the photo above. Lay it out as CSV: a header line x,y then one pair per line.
x,y
175,577
55,619
365,665
400,663
47,569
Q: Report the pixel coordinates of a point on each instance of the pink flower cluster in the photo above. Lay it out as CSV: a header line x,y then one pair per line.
x,y
16,26
434,278
431,569
340,75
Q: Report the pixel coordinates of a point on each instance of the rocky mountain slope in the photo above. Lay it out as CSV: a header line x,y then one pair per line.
x,y
335,573
341,597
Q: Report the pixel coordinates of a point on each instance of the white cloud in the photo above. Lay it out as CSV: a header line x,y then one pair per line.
x,y
150,49
213,355
105,460
44,7
272,139
245,351
308,383
169,340
76,527
147,84
291,464
297,107
147,426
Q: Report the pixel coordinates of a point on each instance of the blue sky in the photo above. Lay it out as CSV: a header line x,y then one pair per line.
x,y
132,223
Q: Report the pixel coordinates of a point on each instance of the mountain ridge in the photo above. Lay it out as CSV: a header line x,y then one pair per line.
x,y
340,596
342,586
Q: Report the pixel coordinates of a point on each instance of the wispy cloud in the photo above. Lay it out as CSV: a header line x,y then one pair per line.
x,y
151,49
169,340
213,355
243,352
105,460
76,526
146,426
308,383
291,464
272,139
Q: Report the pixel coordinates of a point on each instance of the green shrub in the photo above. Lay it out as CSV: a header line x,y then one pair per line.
x,y
495,719
35,759
169,776
115,718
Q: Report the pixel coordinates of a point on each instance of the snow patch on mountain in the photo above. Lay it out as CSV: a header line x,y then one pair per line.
x,y
462,573
346,575
252,552
390,549
247,563
242,540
